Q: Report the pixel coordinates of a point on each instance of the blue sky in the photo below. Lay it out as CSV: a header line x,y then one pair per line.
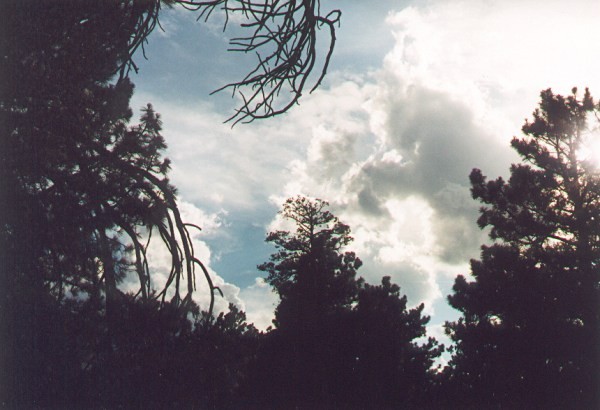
x,y
418,94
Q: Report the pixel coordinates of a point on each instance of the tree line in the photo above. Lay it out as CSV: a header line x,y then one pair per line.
x,y
83,190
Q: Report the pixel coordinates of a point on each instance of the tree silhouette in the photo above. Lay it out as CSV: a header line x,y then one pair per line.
x,y
316,283
338,342
393,361
78,184
529,332
159,359
62,59
57,64
309,272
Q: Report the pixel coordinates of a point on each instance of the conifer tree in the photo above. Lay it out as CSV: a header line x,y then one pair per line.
x,y
338,341
79,184
310,272
393,358
530,336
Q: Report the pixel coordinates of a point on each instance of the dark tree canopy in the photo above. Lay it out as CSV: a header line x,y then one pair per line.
x,y
67,145
529,335
79,185
338,342
394,362
310,272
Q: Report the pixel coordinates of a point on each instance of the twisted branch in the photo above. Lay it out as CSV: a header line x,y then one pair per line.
x,y
282,34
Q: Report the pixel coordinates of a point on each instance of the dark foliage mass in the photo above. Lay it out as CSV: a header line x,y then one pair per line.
x,y
529,336
339,342
153,358
79,185
83,190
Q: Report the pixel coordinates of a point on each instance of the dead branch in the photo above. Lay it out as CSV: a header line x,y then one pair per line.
x,y
282,33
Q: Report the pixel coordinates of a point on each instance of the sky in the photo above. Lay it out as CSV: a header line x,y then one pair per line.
x,y
417,95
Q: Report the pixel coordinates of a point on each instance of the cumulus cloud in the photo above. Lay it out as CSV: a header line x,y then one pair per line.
x,y
392,149
401,183
431,142
448,98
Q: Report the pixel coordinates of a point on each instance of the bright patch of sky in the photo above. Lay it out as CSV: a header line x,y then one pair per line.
x,y
418,94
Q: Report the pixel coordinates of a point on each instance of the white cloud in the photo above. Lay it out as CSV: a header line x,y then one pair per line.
x,y
214,164
501,53
448,98
392,149
259,302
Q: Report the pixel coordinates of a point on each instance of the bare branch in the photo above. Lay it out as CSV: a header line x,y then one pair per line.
x,y
284,35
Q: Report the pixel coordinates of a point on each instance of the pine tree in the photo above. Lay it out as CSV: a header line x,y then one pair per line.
x,y
338,341
310,272
393,361
529,335
78,183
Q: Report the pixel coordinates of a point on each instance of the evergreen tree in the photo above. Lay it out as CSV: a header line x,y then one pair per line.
x,y
338,342
311,274
78,184
529,335
305,357
393,360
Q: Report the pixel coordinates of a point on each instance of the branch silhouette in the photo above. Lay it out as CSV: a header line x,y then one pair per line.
x,y
282,34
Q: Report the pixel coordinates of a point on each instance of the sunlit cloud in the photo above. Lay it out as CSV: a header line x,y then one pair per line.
x,y
391,149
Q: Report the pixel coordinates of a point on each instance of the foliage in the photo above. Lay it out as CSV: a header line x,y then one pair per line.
x,y
309,272
153,358
338,342
78,184
86,182
529,332
393,360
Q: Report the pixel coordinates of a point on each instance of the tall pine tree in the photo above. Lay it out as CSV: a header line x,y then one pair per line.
x,y
310,272
529,335
339,342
